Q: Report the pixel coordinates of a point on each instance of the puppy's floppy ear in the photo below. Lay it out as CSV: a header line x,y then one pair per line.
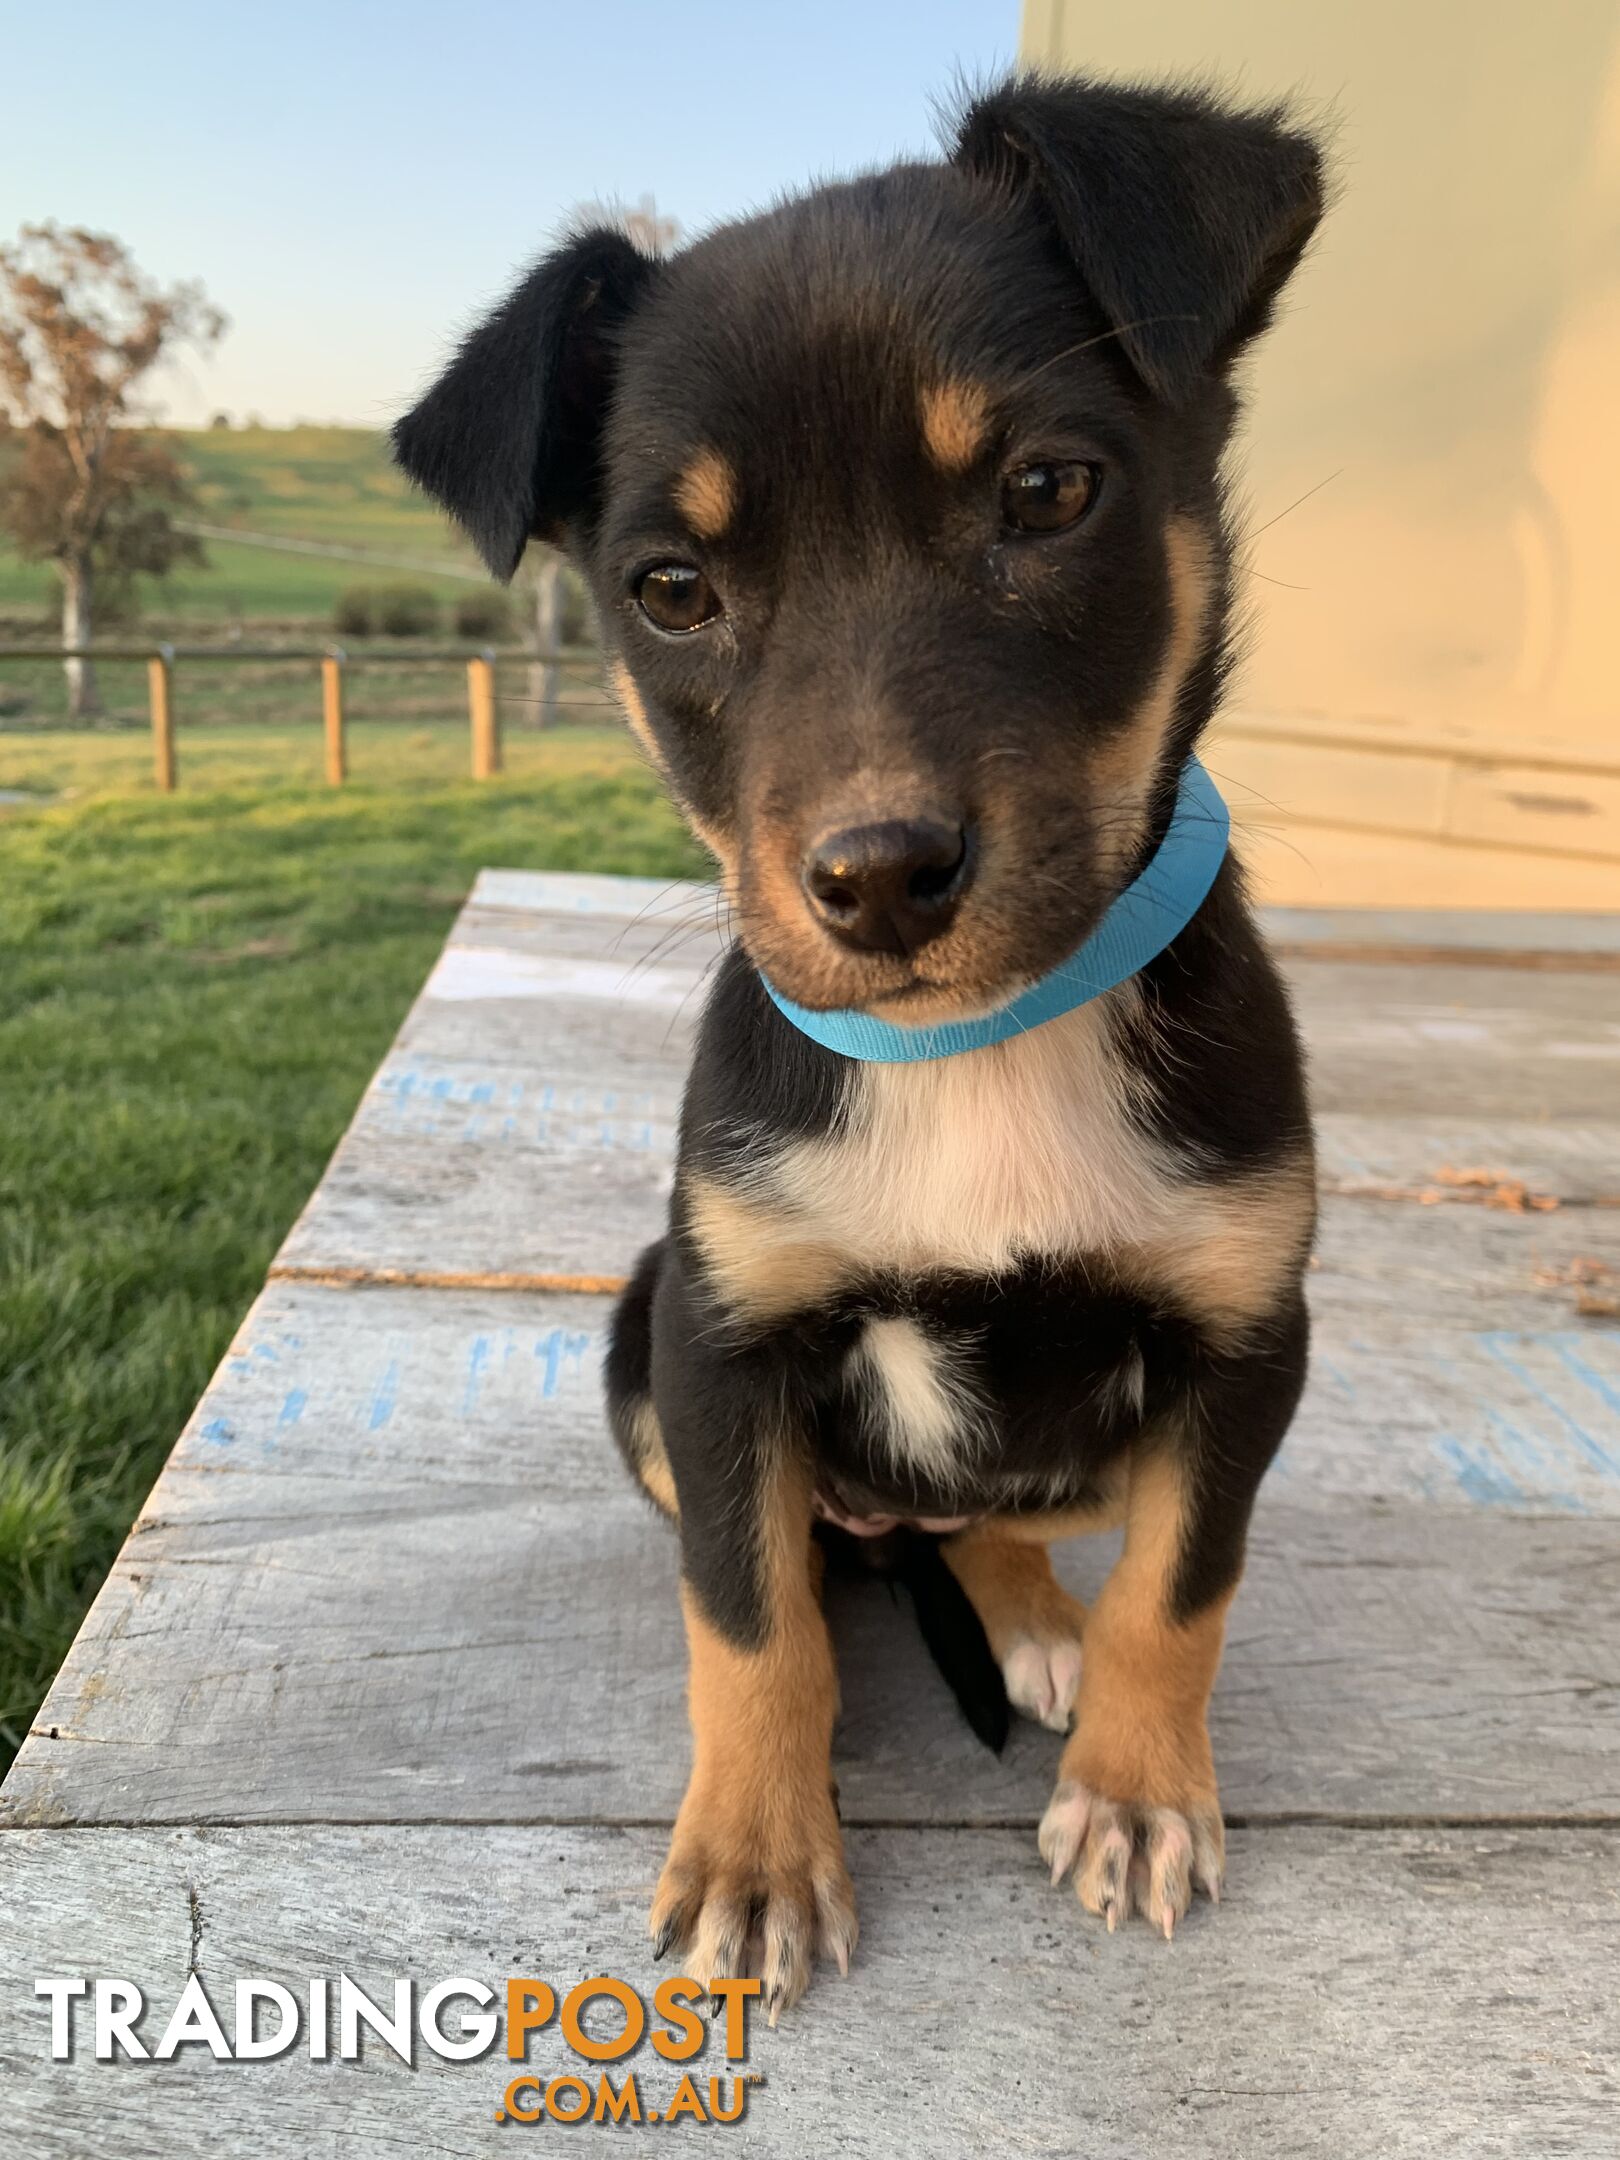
x,y
1183,217
507,439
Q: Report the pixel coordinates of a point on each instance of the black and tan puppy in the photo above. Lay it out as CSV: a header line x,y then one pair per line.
x,y
901,505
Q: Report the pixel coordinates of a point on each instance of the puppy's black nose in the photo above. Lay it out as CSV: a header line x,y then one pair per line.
x,y
888,887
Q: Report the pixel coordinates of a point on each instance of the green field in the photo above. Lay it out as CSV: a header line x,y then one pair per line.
x,y
335,486
193,993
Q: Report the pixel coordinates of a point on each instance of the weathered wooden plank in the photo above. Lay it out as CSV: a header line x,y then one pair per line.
x,y
1397,1271
472,1169
354,1387
551,892
1521,932
425,1653
524,1123
1469,1042
472,1166
394,1571
1430,1157
1367,1995
563,1167
1472,1040
478,1167
584,998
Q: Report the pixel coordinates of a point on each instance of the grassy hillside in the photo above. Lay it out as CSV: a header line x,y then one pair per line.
x,y
333,485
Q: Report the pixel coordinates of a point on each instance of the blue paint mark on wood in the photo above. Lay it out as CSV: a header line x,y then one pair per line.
x,y
384,1397
1485,1483
1530,1452
292,1406
1606,1394
477,1360
589,1120
1520,1418
1507,1350
220,1430
563,1346
1341,1379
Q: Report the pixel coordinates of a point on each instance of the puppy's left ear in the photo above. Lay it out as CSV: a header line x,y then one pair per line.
x,y
1183,217
508,437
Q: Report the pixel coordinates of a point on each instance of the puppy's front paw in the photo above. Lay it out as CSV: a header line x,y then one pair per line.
x,y
1043,1678
1129,1856
761,1890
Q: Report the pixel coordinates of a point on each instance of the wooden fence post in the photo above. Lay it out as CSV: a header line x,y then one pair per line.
x,y
545,675
486,731
159,683
337,763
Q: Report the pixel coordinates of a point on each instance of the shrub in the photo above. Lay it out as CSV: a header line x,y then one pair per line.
x,y
486,616
407,611
355,611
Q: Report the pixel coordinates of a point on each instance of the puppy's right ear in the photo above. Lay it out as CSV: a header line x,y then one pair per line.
x,y
508,437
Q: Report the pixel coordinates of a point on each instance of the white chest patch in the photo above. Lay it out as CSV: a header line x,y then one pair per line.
x,y
980,1161
922,1408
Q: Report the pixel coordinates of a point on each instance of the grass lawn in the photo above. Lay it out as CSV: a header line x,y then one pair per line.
x,y
193,993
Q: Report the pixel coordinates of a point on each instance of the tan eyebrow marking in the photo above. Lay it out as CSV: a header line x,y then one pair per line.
x,y
955,423
706,494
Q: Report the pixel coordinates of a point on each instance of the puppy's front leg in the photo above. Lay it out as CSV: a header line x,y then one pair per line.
x,y
756,1861
1136,1813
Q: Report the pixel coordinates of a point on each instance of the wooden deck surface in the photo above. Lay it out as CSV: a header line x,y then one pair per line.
x,y
387,1677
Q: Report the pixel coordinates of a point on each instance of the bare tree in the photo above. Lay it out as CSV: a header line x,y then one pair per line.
x,y
80,329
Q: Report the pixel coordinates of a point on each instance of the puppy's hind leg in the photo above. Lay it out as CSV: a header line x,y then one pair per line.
x,y
631,1411
1033,1625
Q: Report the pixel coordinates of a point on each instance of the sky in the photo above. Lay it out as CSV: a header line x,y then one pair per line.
x,y
353,183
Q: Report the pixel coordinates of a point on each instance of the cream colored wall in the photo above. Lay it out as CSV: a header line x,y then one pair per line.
x,y
1446,376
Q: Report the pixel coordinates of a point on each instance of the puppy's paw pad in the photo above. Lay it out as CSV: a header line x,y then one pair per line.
x,y
1126,1857
1042,1679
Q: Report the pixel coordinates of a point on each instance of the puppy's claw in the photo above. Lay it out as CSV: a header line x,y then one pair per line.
x,y
664,1939
837,1927
1130,1858
1063,1828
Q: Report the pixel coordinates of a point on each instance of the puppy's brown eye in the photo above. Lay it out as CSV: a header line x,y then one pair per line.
x,y
1045,498
674,596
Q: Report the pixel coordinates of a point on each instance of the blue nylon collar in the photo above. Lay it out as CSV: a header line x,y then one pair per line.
x,y
1148,914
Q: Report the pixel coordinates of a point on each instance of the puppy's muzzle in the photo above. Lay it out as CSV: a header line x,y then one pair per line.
x,y
890,886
